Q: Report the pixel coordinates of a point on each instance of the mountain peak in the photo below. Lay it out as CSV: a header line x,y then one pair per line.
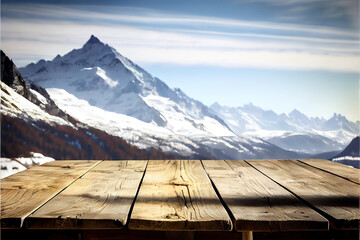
x,y
216,106
295,111
251,106
338,116
57,57
93,40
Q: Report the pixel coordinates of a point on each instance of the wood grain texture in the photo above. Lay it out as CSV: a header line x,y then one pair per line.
x,y
335,197
347,172
101,199
257,203
24,192
177,195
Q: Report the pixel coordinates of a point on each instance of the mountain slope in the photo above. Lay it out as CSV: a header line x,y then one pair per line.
x,y
353,149
19,138
350,155
15,105
12,79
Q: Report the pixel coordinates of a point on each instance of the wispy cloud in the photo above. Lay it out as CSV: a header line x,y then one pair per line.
x,y
152,37
315,10
143,16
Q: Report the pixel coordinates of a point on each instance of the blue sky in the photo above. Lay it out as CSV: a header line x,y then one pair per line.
x,y
279,55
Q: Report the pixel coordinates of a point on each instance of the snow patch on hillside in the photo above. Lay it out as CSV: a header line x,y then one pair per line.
x,y
40,97
101,73
10,166
348,160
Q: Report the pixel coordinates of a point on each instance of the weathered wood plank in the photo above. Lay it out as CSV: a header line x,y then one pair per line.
x,y
101,199
24,192
177,195
257,203
335,197
352,174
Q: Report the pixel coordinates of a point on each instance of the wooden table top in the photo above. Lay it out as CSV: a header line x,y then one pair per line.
x,y
183,195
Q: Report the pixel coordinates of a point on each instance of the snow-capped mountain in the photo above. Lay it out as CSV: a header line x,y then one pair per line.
x,y
32,122
294,131
100,75
103,89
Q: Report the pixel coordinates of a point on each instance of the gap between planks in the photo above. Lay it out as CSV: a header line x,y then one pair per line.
x,y
136,195
331,171
23,218
245,215
19,201
177,195
101,199
246,235
341,217
297,196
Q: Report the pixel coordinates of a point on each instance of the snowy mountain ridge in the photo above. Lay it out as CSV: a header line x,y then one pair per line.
x,y
258,119
15,105
294,131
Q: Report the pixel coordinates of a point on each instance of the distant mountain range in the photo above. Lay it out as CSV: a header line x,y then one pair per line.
x,y
294,131
97,88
